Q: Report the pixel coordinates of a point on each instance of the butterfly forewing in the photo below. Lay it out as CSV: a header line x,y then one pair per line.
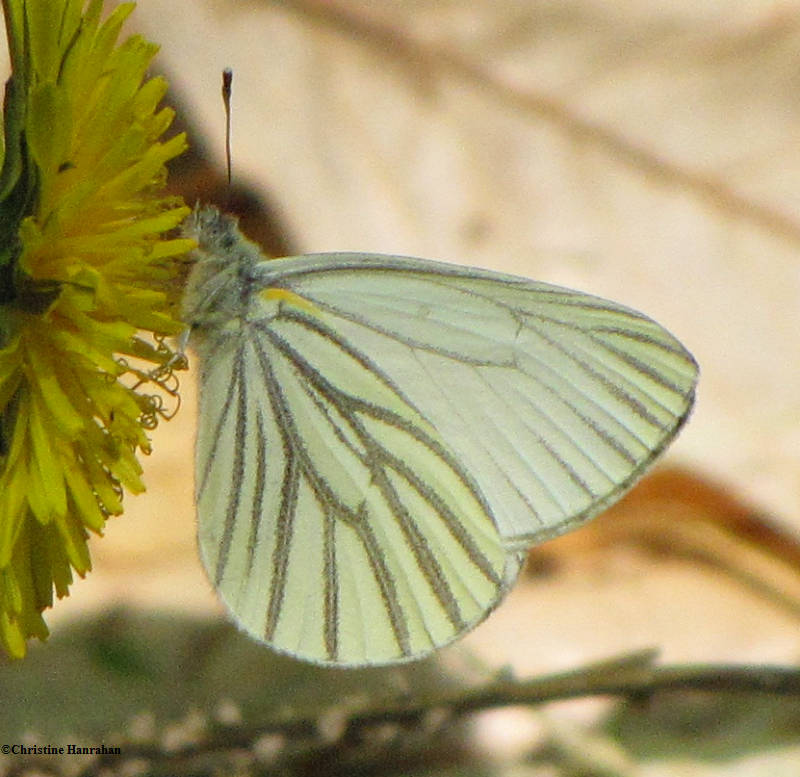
x,y
554,401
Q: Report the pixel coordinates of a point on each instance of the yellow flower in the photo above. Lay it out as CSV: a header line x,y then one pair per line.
x,y
86,291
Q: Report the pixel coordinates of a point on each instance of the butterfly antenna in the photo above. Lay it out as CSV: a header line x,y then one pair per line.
x,y
227,80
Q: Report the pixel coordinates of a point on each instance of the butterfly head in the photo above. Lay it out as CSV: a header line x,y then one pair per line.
x,y
215,232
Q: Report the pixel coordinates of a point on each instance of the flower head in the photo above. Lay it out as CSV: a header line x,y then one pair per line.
x,y
86,298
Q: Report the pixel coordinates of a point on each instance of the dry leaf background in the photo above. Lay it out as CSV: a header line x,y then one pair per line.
x,y
645,152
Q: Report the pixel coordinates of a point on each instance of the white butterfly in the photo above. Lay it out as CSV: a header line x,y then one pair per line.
x,y
381,438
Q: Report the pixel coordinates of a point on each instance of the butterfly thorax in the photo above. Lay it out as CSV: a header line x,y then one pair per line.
x,y
218,292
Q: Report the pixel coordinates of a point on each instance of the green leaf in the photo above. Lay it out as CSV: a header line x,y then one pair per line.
x,y
49,130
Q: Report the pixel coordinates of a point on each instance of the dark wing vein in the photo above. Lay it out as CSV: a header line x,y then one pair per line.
x,y
328,501
240,436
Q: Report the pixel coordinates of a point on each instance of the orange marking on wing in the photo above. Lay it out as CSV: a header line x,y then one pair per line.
x,y
283,295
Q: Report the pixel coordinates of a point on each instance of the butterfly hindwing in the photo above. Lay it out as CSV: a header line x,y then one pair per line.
x,y
334,521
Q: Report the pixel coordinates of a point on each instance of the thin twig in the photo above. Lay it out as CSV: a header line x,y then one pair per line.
x,y
630,676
